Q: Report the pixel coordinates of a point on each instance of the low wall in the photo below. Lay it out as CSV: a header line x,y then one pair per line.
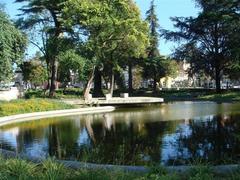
x,y
11,94
48,114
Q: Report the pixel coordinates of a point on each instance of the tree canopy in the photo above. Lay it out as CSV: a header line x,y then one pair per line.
x,y
12,47
208,38
114,29
50,13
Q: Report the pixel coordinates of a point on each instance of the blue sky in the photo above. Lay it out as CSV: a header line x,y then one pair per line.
x,y
165,10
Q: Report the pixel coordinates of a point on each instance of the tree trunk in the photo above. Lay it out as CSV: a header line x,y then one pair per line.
x,y
88,86
53,78
54,142
112,84
130,77
155,83
97,92
54,62
218,79
48,78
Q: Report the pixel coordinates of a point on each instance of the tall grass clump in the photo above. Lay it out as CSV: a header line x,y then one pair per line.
x,y
53,170
19,169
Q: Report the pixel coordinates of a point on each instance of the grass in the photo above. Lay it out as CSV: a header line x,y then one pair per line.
x,y
32,105
168,95
51,170
193,95
225,96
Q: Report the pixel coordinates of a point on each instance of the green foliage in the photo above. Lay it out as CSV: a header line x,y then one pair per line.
x,y
12,47
71,62
209,42
60,93
20,169
115,29
52,170
32,105
152,19
159,67
201,172
47,14
34,72
155,66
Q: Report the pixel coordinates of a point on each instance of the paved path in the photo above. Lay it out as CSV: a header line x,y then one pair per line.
x,y
48,114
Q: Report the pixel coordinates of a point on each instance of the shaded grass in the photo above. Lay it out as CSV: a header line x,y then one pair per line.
x,y
225,96
32,105
168,95
193,95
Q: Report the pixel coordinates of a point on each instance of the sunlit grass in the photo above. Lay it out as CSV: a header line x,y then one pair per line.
x,y
31,105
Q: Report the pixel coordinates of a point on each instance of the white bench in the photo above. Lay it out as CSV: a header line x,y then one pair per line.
x,y
108,96
124,95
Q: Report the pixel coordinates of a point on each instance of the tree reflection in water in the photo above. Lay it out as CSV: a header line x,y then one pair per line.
x,y
213,139
137,137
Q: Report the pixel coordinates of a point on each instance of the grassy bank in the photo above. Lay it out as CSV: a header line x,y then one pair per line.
x,y
225,96
32,105
168,95
21,169
193,95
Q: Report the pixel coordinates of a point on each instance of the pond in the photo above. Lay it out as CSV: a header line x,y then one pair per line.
x,y
168,134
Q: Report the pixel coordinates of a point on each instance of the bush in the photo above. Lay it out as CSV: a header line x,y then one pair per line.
x,y
60,93
34,94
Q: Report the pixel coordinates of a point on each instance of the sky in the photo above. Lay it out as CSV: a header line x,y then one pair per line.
x,y
165,10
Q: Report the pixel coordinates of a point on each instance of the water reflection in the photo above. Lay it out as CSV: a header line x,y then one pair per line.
x,y
178,133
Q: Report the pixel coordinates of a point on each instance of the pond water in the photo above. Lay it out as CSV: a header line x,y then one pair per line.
x,y
169,134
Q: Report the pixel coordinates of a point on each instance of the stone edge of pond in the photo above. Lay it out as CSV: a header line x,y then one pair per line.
x,y
56,113
218,169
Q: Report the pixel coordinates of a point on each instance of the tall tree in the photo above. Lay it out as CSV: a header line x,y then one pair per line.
x,y
53,15
153,51
207,38
12,47
110,26
37,27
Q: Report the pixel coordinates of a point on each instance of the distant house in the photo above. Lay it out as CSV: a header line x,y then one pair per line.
x,y
182,79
